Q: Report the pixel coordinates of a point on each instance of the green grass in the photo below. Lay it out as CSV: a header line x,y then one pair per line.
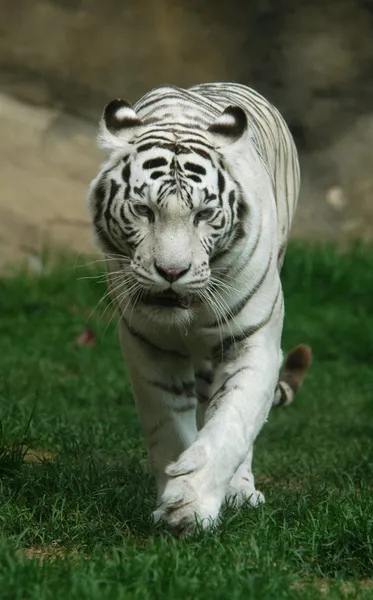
x,y
90,505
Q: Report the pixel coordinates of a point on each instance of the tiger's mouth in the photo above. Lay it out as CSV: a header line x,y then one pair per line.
x,y
169,299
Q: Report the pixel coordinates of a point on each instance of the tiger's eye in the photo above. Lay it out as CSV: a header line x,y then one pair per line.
x,y
144,211
204,215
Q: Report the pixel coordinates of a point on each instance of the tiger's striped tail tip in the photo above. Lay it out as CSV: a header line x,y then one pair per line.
x,y
297,363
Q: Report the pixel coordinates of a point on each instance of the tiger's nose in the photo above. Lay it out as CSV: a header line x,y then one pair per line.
x,y
170,274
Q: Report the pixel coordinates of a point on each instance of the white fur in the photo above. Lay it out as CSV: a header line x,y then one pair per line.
x,y
118,140
125,112
226,119
196,469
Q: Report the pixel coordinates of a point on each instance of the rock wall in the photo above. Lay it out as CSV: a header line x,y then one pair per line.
x,y
313,59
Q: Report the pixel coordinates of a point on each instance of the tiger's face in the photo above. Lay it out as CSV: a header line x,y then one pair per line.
x,y
166,212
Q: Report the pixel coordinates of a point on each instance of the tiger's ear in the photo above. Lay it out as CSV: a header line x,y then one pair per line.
x,y
117,125
230,126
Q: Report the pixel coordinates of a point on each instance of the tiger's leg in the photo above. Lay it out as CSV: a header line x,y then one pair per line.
x,y
163,387
200,478
297,363
204,378
241,487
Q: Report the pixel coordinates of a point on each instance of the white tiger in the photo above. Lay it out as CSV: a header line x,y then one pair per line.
x,y
193,210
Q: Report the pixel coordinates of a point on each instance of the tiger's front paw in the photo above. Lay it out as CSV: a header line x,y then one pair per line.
x,y
189,498
242,489
182,508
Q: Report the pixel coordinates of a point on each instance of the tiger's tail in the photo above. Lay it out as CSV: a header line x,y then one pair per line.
x,y
296,365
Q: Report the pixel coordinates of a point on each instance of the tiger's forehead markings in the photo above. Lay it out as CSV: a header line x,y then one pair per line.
x,y
209,197
195,168
177,161
157,174
139,190
153,163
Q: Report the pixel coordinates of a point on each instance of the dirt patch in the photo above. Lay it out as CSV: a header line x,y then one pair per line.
x,y
327,586
35,455
49,554
292,484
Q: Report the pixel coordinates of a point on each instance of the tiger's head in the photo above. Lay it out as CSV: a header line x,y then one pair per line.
x,y
165,206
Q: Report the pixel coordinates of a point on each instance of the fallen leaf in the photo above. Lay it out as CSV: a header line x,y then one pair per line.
x,y
86,337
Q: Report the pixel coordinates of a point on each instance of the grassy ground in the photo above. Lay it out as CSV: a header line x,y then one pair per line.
x,y
75,523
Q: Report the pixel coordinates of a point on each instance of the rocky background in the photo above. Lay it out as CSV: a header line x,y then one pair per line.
x,y
62,60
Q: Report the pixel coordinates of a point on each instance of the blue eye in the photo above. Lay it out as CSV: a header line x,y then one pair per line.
x,y
204,215
142,210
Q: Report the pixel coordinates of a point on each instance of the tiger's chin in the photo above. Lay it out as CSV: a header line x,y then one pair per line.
x,y
170,308
169,299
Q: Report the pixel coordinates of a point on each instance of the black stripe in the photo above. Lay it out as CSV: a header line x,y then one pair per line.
x,y
239,306
158,94
157,427
199,140
114,187
151,145
256,244
209,197
133,238
242,210
195,168
127,222
238,235
286,181
227,343
178,128
207,244
126,174
157,174
231,198
139,191
223,388
283,397
202,398
100,191
152,137
236,309
155,100
142,338
184,388
220,225
200,152
281,253
221,182
165,188
107,243
205,376
153,163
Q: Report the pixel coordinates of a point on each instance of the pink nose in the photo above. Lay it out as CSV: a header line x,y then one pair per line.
x,y
171,274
